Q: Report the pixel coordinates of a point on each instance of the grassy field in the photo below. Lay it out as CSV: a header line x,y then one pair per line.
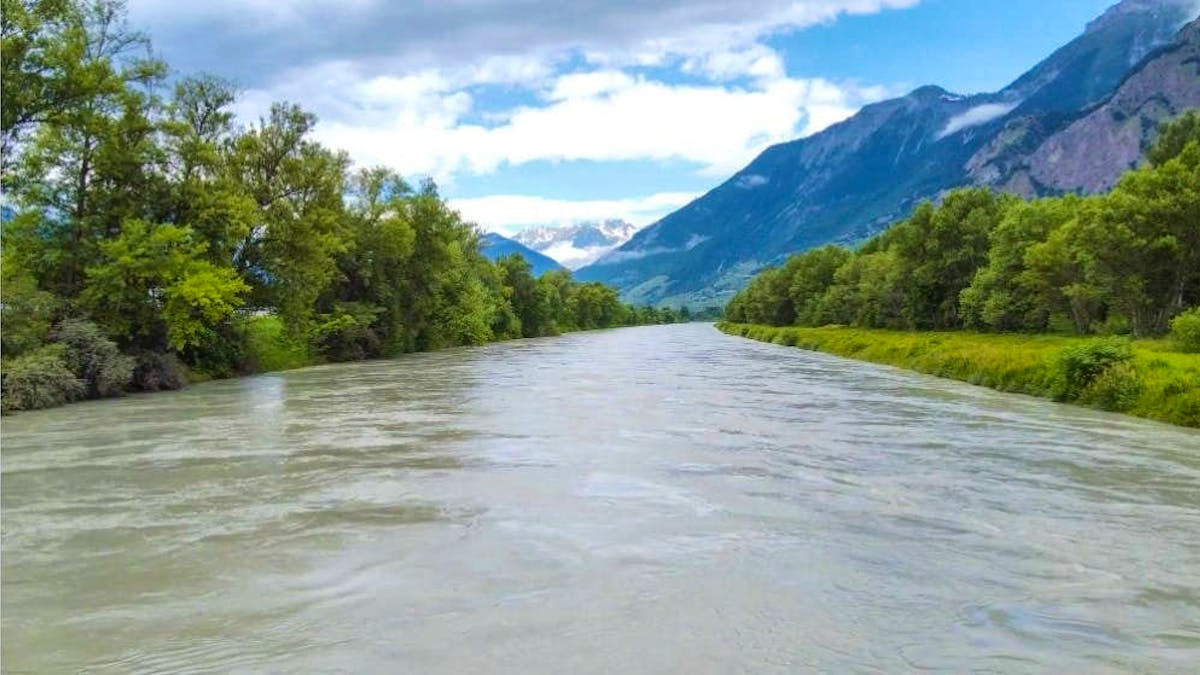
x,y
1147,379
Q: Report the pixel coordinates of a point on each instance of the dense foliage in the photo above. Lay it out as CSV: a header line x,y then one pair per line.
x,y
1124,262
148,233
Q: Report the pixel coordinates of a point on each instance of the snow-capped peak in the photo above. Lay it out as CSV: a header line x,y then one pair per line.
x,y
577,244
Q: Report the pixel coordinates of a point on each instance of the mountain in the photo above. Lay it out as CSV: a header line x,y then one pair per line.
x,y
1091,153
495,246
580,244
853,179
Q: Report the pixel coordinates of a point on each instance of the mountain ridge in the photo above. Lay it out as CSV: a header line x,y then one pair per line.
x,y
495,246
851,180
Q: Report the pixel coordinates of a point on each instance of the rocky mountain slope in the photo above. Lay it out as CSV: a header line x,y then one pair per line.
x,y
853,179
1092,152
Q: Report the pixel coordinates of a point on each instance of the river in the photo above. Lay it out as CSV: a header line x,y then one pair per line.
x,y
659,499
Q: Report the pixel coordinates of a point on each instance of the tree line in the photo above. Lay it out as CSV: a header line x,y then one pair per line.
x,y
149,237
1125,262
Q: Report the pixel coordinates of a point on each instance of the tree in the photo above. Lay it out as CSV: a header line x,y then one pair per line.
x,y
812,274
373,268
1147,243
530,300
939,249
288,256
1173,136
1001,295
59,58
153,286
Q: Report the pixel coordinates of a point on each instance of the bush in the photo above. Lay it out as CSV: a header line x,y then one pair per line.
x,y
39,379
347,334
1117,388
26,312
1185,331
1116,324
94,358
155,371
1080,365
222,355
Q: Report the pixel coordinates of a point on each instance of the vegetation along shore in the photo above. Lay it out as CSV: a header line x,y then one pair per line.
x,y
1085,299
1145,378
149,239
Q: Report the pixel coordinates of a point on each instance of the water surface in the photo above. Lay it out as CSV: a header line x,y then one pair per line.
x,y
662,499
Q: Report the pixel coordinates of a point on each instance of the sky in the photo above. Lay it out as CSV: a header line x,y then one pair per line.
x,y
546,112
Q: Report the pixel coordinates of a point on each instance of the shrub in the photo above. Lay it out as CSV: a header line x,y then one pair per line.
x,y
1116,324
222,355
155,371
39,379
26,312
1080,365
1117,388
1185,331
94,358
347,334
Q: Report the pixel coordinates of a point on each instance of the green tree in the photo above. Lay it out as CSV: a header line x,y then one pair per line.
x,y
939,250
812,275
1146,242
1173,136
61,58
1001,295
154,286
289,255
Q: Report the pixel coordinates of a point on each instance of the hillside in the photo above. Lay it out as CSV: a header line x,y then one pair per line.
x,y
1091,152
853,179
495,246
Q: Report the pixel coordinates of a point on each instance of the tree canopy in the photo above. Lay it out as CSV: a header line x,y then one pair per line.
x,y
186,240
1126,261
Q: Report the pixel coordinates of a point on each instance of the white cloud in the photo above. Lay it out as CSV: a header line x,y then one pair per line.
x,y
753,61
980,114
507,214
751,181
423,123
590,84
423,87
255,40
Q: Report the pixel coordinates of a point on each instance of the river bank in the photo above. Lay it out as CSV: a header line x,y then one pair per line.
x,y
1154,382
267,348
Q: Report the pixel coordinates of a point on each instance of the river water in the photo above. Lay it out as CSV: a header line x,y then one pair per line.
x,y
660,499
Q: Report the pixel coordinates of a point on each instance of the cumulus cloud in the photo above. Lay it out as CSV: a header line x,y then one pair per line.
x,y
257,39
461,88
590,84
422,123
754,61
980,114
507,214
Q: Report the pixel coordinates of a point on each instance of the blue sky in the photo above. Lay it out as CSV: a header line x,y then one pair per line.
x,y
545,112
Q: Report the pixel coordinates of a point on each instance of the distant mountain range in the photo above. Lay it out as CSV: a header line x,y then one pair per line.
x,y
495,246
580,244
1074,122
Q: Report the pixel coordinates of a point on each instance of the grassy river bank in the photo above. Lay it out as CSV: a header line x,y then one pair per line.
x,y
1144,378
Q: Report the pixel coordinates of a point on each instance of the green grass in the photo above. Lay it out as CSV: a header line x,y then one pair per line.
x,y
1157,383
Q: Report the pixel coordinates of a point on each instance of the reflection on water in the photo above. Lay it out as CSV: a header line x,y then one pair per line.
x,y
648,500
